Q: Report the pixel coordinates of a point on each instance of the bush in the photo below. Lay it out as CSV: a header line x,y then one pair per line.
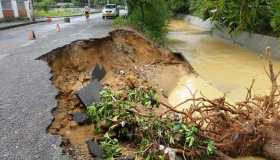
x,y
120,22
247,15
275,21
179,6
44,4
201,8
151,18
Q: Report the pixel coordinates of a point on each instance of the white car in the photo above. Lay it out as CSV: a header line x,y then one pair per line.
x,y
110,11
123,11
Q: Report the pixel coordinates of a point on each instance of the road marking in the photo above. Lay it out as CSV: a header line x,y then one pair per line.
x,y
28,43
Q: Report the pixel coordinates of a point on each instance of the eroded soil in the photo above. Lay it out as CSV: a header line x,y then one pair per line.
x,y
129,60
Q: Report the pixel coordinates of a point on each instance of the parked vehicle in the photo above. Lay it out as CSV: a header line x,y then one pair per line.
x,y
110,11
123,11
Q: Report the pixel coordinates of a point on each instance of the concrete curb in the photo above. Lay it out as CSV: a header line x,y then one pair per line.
x,y
21,24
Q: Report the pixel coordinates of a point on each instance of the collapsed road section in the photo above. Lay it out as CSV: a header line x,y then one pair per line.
x,y
112,104
123,60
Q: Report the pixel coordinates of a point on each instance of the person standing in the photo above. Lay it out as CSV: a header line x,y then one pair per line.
x,y
87,12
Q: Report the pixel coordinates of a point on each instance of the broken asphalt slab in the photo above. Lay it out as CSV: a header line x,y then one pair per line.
x,y
90,93
80,118
98,72
95,149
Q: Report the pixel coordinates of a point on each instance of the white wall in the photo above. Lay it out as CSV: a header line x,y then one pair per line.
x,y
1,11
15,8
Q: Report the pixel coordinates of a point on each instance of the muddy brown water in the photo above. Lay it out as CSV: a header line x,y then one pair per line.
x,y
223,67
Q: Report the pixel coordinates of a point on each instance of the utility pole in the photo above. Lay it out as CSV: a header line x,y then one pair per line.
x,y
32,17
89,4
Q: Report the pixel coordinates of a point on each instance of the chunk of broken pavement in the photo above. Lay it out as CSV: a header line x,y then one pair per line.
x,y
95,150
98,72
80,118
90,93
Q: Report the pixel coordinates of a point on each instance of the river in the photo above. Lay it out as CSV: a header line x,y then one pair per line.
x,y
226,66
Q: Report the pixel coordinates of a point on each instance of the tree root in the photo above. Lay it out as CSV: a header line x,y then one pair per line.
x,y
249,127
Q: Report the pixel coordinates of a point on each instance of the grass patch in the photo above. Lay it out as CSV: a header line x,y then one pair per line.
x,y
57,13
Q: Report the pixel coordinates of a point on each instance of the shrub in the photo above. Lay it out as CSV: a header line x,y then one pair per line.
x,y
244,15
44,4
133,120
201,8
275,21
179,6
151,18
120,22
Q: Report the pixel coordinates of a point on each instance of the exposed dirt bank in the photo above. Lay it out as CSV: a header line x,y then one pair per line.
x,y
128,58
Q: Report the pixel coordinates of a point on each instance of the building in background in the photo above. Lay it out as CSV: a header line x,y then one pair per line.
x,y
12,9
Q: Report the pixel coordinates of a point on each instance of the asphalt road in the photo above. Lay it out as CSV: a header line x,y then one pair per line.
x,y
26,93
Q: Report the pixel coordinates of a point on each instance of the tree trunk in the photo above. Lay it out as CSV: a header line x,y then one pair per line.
x,y
142,15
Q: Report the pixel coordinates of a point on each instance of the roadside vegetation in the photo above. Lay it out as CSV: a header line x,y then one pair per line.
x,y
126,117
261,16
144,17
46,8
57,12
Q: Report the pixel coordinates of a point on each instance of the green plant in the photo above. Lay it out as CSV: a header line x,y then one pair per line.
x,y
44,4
201,8
111,147
246,15
146,130
120,22
260,16
144,16
146,97
179,6
211,148
275,21
190,133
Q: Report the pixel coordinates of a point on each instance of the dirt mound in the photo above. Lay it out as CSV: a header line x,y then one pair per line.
x,y
129,59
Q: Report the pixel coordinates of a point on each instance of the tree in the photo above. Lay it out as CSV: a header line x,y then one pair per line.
x,y
45,4
179,6
150,17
